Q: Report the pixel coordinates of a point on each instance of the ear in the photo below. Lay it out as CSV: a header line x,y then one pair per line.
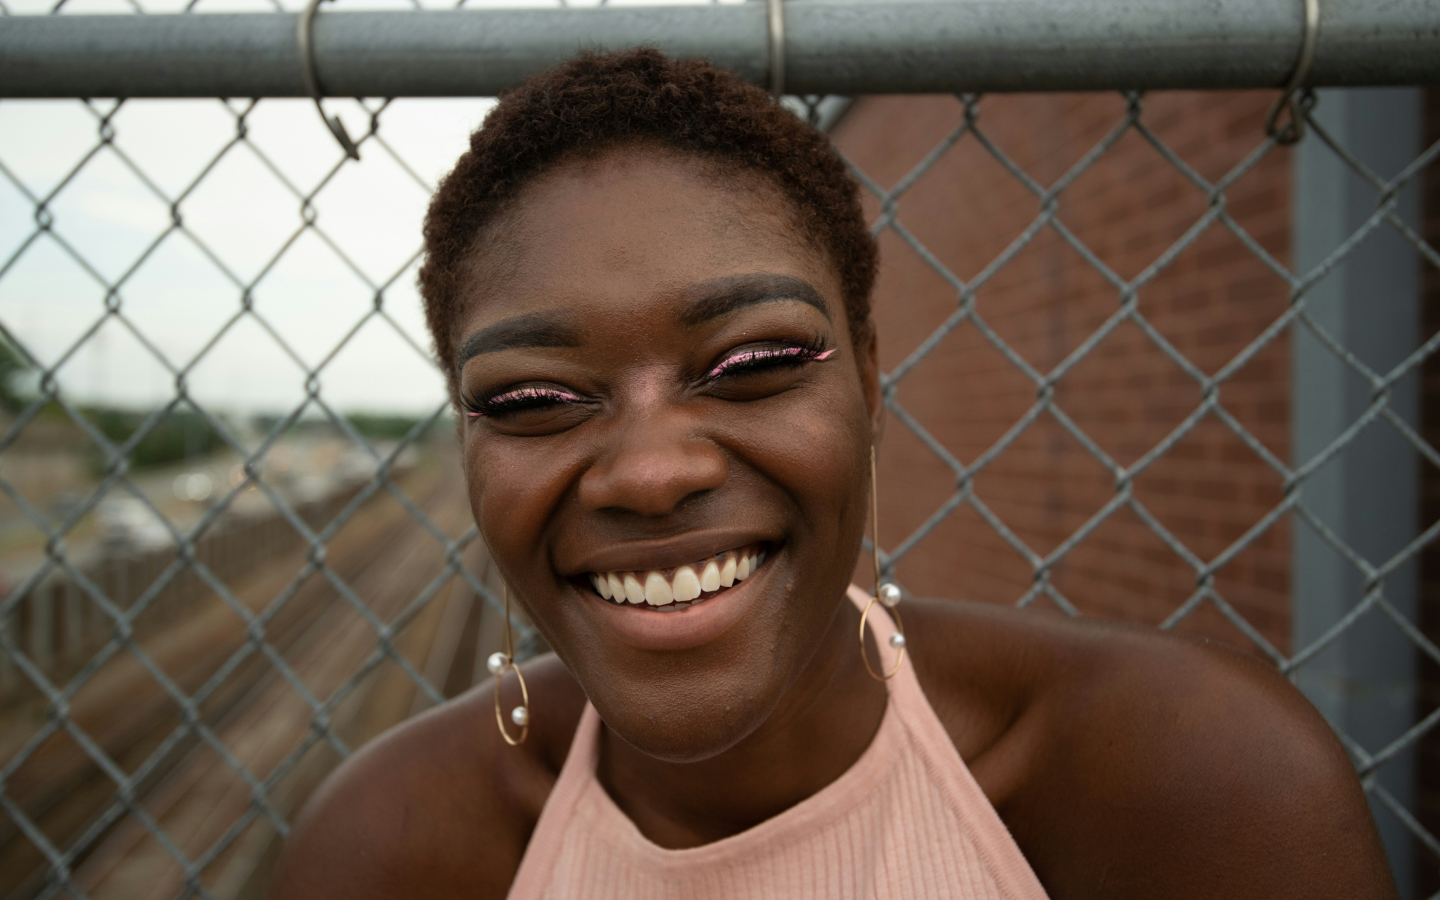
x,y
867,357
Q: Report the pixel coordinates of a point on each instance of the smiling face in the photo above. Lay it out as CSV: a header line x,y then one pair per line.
x,y
666,438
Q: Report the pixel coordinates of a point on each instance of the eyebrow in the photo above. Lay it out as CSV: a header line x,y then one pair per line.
x,y
709,300
722,296
519,333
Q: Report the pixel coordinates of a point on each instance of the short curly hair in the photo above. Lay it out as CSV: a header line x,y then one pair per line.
x,y
595,103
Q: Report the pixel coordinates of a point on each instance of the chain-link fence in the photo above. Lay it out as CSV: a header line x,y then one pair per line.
x,y
233,535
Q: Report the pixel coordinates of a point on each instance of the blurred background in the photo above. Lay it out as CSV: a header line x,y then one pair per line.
x,y
233,538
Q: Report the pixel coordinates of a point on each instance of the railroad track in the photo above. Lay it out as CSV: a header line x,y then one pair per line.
x,y
193,794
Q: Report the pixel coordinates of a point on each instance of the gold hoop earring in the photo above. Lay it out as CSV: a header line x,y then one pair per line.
x,y
887,595
499,664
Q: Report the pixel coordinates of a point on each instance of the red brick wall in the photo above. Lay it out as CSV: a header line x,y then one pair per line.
x,y
1126,395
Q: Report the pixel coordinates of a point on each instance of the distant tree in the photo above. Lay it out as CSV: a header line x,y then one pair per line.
x,y
12,368
180,435
372,425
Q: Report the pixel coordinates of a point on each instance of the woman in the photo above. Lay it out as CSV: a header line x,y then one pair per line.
x,y
650,289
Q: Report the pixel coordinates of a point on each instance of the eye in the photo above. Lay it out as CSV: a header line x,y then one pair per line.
x,y
767,358
510,402
759,370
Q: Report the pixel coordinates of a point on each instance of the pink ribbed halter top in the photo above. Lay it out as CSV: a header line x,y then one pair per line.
x,y
906,820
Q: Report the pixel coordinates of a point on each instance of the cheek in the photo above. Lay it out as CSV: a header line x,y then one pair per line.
x,y
512,495
819,452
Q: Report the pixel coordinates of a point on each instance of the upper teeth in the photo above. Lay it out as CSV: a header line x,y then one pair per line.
x,y
686,583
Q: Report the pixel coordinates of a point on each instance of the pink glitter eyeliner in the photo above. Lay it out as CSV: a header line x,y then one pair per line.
x,y
521,399
740,359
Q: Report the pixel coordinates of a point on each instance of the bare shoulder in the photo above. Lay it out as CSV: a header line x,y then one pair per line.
x,y
1128,762
437,807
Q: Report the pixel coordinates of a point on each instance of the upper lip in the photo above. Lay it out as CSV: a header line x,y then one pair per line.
x,y
667,553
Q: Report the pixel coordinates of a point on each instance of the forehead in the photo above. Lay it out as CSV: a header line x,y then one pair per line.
x,y
634,223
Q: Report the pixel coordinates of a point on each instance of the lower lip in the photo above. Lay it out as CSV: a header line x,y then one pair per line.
x,y
650,629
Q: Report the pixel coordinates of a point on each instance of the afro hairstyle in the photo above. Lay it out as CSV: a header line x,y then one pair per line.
x,y
596,103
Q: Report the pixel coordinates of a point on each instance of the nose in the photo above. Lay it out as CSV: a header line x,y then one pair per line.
x,y
653,468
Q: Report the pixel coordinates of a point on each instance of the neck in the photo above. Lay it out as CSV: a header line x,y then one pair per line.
x,y
820,728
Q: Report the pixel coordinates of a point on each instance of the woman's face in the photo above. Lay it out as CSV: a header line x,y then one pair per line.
x,y
660,392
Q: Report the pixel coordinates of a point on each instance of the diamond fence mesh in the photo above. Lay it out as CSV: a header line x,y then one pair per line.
x,y
226,574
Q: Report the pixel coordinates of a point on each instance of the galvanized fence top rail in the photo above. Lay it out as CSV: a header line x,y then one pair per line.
x,y
842,47
831,48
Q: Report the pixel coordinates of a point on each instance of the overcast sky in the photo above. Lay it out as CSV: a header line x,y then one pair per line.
x,y
243,213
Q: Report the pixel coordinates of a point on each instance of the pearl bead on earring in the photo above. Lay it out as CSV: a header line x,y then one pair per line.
x,y
500,664
889,594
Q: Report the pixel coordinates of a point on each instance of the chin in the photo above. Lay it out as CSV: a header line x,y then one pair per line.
x,y
690,722
694,705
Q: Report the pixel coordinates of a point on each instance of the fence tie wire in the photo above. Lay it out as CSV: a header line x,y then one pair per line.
x,y
1296,99
304,29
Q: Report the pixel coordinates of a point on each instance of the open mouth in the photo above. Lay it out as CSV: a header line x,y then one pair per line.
x,y
668,590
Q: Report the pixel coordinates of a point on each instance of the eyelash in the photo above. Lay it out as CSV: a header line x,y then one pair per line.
x,y
773,357
517,400
770,358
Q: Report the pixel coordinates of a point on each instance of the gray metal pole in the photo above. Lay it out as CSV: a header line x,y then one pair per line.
x,y
832,47
1368,495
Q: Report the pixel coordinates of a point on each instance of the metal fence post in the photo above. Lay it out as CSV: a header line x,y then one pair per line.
x,y
1364,683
